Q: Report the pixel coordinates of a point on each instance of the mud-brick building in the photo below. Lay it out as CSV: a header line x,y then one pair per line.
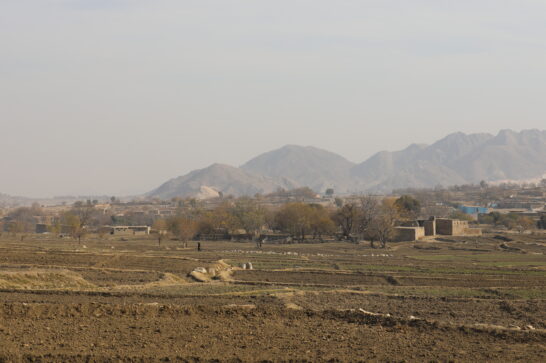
x,y
455,227
429,226
130,229
404,234
416,230
42,228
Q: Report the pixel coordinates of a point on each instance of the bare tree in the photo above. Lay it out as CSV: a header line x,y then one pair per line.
x,y
408,206
183,227
369,208
248,215
320,221
84,212
383,224
347,218
524,224
295,219
23,220
77,228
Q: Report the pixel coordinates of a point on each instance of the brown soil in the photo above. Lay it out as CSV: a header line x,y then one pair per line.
x,y
316,278
450,310
76,332
332,302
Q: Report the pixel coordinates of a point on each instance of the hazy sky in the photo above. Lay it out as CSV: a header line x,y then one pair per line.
x,y
116,96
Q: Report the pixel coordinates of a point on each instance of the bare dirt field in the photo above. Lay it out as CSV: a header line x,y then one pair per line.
x,y
104,300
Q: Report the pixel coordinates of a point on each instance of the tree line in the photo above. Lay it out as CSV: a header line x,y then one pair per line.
x,y
367,217
361,218
511,221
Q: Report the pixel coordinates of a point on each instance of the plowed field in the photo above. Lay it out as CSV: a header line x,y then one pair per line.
x,y
111,300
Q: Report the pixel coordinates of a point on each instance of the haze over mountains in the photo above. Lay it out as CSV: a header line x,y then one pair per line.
x,y
304,166
456,159
222,178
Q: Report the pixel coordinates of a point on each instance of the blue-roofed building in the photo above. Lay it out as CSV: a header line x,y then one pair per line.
x,y
473,209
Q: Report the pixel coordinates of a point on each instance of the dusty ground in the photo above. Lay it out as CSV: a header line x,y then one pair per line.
x,y
113,300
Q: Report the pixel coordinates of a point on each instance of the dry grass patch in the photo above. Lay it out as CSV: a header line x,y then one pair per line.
x,y
43,279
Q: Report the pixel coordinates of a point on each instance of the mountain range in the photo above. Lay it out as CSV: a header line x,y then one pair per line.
x,y
456,159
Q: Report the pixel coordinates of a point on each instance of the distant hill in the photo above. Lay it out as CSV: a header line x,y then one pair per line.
x,y
417,165
456,159
223,178
305,165
508,156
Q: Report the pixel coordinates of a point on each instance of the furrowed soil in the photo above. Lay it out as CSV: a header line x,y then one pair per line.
x,y
130,300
